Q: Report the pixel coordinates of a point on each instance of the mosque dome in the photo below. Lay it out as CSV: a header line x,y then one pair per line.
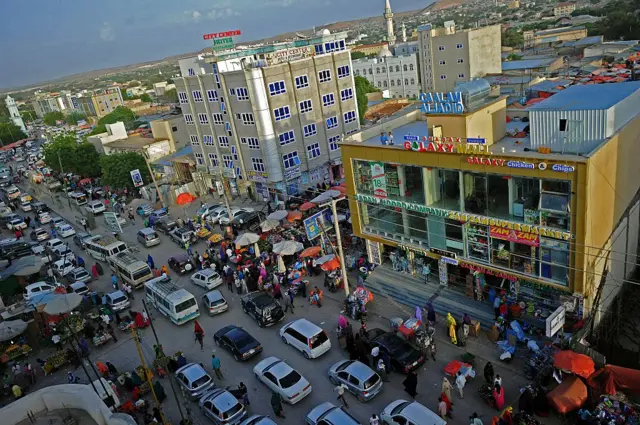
x,y
323,32
385,52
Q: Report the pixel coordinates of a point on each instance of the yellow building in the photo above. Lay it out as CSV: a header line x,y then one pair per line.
x,y
550,37
550,215
370,49
564,8
514,4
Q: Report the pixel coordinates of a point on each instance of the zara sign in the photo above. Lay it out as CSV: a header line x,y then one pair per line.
x,y
442,103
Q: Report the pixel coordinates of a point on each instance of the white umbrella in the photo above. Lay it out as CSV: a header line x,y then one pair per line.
x,y
325,258
287,247
256,248
281,267
11,328
63,304
278,215
269,225
326,196
247,239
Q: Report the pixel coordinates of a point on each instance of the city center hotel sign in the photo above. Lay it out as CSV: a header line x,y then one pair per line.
x,y
442,103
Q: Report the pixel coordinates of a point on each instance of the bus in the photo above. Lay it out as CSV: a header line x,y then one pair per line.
x,y
130,269
102,247
178,304
78,197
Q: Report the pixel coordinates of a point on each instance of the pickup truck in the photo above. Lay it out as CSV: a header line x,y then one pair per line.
x,y
52,184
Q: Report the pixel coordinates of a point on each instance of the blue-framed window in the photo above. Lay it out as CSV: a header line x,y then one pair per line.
x,y
349,117
290,160
302,81
343,71
328,99
277,87
346,94
333,143
306,106
332,122
282,113
213,158
207,140
313,150
287,137
310,130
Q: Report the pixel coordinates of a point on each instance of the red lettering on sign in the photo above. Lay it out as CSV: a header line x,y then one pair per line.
x,y
215,35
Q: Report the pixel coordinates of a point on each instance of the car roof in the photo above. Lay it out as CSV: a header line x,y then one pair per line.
x,y
237,333
279,369
214,295
359,370
81,235
208,272
417,413
305,327
78,285
34,285
78,270
192,371
325,410
261,297
116,294
180,257
223,400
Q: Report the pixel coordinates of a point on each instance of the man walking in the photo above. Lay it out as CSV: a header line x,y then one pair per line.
x,y
215,364
114,281
460,383
288,305
340,390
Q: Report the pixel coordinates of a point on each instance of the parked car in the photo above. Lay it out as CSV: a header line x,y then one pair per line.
x,y
328,413
222,407
214,302
65,230
55,221
205,210
165,225
263,308
148,237
52,243
144,210
181,264
95,207
16,223
79,274
117,301
238,342
409,412
216,213
40,253
248,220
258,420
13,249
62,251
206,278
182,235
157,214
43,217
62,267
404,358
360,380
235,212
282,379
37,289
307,337
80,239
39,234
79,288
194,381
40,207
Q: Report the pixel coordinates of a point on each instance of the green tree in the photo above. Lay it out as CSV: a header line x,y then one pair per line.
x,y
146,98
9,132
52,118
512,38
357,55
514,57
73,117
172,95
363,86
116,169
77,158
621,20
121,113
4,111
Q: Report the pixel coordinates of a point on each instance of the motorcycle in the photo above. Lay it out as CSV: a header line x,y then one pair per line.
x,y
426,342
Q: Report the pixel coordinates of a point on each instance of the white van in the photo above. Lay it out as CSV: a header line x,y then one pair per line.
x,y
78,198
130,269
102,247
178,304
307,337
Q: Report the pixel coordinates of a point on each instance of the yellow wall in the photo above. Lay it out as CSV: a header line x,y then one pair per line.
x,y
369,49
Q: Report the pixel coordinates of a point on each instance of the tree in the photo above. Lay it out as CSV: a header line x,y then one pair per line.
x,y
146,98
121,113
172,95
363,86
116,169
78,158
514,57
512,38
358,55
73,117
9,132
51,118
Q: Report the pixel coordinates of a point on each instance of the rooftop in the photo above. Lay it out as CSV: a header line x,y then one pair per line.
x,y
543,33
587,41
527,64
565,3
589,97
551,86
133,142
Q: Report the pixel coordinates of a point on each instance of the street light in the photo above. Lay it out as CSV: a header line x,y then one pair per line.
x,y
336,226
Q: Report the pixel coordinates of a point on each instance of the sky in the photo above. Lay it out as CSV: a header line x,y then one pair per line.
x,y
46,39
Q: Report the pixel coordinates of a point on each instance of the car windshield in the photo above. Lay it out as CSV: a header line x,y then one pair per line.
x,y
216,302
232,411
319,339
185,305
290,380
119,300
200,381
203,209
371,381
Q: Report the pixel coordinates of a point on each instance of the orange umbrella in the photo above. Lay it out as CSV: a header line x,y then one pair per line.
x,y
340,189
331,265
343,184
293,216
306,206
310,252
185,198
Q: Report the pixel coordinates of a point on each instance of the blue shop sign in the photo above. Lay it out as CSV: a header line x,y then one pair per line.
x,y
442,103
477,141
563,168
411,138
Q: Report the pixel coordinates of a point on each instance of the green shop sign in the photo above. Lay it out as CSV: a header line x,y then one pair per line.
x,y
401,204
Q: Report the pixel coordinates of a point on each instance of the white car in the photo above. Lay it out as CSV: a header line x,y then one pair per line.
x,y
44,218
51,244
95,207
25,206
215,214
307,337
224,218
205,210
62,267
65,230
39,252
56,220
37,289
16,223
282,379
409,412
206,278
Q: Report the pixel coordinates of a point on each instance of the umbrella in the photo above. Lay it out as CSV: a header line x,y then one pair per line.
x,y
278,215
310,252
306,206
287,247
332,264
324,197
340,189
63,304
269,225
247,239
11,328
579,364
281,267
293,216
185,198
325,258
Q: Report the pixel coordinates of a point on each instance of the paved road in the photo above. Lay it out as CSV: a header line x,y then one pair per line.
x,y
124,354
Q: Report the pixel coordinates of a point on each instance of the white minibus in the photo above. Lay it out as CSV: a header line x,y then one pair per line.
x,y
130,269
78,198
102,247
178,304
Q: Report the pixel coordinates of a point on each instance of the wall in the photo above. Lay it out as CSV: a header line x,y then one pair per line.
x,y
590,125
386,126
484,51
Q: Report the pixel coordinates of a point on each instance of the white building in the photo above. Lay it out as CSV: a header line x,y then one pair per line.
x,y
397,74
116,131
14,113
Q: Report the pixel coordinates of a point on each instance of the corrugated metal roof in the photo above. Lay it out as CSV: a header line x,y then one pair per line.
x,y
587,41
508,79
527,64
550,85
593,96
557,30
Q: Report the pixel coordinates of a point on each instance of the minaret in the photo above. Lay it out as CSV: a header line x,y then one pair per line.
x,y
14,113
388,15
404,33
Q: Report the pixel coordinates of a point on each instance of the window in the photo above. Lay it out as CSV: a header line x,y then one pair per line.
x,y
460,60
442,62
332,122
191,72
232,91
207,140
399,83
370,71
458,46
287,137
234,151
384,69
246,118
328,99
253,143
343,71
393,83
413,81
397,68
183,97
203,118
194,140
379,84
213,158
333,143
227,127
188,118
218,119
223,106
223,141
306,106
318,48
277,88
199,158
406,81
404,67
212,95
324,75
242,93
302,81
384,83
441,48
443,77
174,128
346,94
282,113
313,150
290,160
460,75
349,116
197,96
228,161
410,67
258,164
357,72
309,130
377,70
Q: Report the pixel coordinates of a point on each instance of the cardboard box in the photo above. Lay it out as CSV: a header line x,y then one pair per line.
x,y
494,334
475,329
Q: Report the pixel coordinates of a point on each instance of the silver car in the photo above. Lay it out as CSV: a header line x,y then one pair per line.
x,y
194,380
360,379
214,302
328,413
117,301
258,420
222,407
282,379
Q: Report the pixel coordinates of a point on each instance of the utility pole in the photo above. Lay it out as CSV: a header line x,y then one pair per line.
x,y
336,226
66,184
136,339
153,178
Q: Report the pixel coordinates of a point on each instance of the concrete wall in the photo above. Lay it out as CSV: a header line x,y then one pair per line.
x,y
385,126
484,51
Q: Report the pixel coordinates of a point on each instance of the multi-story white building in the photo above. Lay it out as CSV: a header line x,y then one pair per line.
x,y
271,116
397,74
14,113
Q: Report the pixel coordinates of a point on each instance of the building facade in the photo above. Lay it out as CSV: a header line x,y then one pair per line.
x,y
271,117
370,49
564,9
91,103
14,113
397,74
449,57
553,36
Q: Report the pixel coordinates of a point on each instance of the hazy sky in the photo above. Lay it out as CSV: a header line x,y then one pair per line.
x,y
46,39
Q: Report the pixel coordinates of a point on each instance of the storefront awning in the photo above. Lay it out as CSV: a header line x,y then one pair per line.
x,y
185,154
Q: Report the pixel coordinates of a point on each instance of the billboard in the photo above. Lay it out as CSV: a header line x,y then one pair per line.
x,y
137,178
313,225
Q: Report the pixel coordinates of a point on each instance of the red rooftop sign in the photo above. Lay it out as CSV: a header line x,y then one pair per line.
x,y
215,35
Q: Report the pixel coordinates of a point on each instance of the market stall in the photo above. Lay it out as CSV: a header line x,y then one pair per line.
x,y
569,396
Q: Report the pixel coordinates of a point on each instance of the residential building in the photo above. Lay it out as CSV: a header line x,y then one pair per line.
x,y
397,74
47,102
550,217
513,4
14,113
370,49
271,117
193,66
172,128
116,131
98,103
449,57
405,48
551,37
564,8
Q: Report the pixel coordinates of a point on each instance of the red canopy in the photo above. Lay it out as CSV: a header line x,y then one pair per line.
x,y
185,198
612,378
332,264
575,363
306,206
568,396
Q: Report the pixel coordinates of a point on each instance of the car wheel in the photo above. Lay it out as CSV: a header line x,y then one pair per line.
x,y
333,380
237,357
260,324
244,308
217,342
284,339
306,355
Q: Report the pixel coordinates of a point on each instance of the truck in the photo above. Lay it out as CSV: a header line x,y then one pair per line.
x,y
52,184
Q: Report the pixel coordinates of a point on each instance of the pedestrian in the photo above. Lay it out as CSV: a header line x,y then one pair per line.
x,y
277,293
383,138
498,380
157,415
29,372
164,269
18,234
374,420
446,388
187,246
496,306
229,278
488,373
442,408
84,224
498,396
94,271
27,221
238,283
114,281
288,305
131,216
411,384
152,264
475,420
340,390
127,290
199,334
460,383
382,370
245,393
390,138
276,405
215,364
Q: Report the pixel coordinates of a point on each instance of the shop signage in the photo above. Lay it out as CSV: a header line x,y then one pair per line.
x,y
563,168
224,34
288,55
487,271
521,164
225,43
442,253
514,236
479,160
447,260
257,176
374,251
442,103
313,225
554,322
379,180
292,173
229,173
468,218
136,177
411,138
446,145
477,141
